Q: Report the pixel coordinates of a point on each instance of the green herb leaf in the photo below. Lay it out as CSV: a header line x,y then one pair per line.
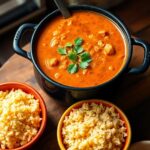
x,y
78,49
84,65
73,56
85,57
68,45
72,68
78,41
62,51
76,54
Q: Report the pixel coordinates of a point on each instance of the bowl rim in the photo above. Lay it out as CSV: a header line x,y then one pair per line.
x,y
29,89
106,13
98,101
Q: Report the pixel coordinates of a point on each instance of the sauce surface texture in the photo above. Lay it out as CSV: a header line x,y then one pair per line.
x,y
102,40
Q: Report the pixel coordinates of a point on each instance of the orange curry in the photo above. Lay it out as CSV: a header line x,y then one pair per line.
x,y
84,50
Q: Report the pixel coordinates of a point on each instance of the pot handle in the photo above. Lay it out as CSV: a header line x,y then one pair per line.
x,y
146,62
18,37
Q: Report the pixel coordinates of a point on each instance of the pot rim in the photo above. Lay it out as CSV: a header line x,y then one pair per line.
x,y
116,20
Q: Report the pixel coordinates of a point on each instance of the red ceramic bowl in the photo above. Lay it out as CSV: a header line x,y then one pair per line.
x,y
28,89
104,103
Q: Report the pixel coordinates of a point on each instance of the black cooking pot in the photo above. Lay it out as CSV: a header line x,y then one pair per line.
x,y
52,86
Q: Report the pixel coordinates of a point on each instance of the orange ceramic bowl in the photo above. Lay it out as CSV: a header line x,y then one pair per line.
x,y
28,89
104,103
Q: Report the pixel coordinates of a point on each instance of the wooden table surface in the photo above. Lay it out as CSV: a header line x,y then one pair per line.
x,y
131,93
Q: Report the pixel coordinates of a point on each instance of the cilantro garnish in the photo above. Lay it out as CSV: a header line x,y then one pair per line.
x,y
78,41
72,68
62,51
76,53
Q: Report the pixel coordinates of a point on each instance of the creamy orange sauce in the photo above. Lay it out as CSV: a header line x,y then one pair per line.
x,y
102,39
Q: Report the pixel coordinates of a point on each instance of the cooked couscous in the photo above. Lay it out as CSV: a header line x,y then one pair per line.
x,y
19,118
93,127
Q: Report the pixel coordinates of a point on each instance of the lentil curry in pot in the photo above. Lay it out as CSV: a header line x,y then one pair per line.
x,y
84,50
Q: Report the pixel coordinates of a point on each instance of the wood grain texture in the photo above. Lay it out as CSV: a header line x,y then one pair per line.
x,y
134,13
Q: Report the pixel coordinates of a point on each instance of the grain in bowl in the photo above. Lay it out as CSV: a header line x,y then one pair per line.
x,y
20,118
92,126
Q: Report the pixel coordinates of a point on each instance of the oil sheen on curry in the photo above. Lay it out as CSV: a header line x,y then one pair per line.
x,y
84,50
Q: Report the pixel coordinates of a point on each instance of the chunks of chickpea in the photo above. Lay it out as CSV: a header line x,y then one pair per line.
x,y
64,64
54,42
56,32
63,58
53,62
57,75
102,33
111,68
100,43
109,50
84,71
